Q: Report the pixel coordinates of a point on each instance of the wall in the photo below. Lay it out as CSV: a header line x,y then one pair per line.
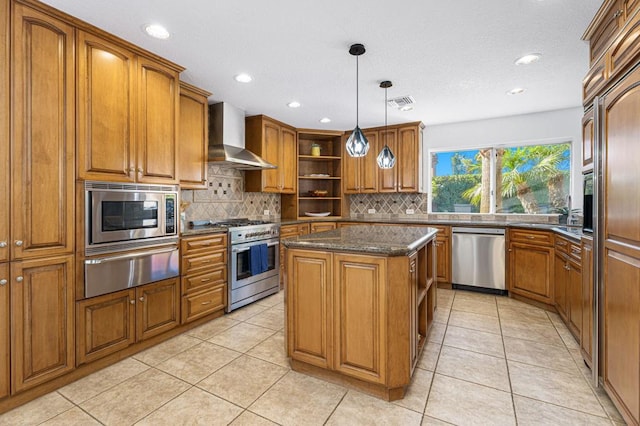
x,y
225,198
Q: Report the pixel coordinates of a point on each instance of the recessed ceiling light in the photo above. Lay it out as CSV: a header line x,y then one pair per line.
x,y
243,78
528,59
406,108
516,91
156,31
294,104
325,120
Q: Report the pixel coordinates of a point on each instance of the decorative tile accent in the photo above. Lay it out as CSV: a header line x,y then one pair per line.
x,y
225,198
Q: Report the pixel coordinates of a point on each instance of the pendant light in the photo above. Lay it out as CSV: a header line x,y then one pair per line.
x,y
357,144
386,159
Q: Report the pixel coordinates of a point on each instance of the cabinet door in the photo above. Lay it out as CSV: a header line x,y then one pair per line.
x,y
4,130
288,163
574,292
369,166
587,301
194,138
203,303
408,162
4,329
360,317
42,142
587,139
414,323
309,307
271,153
560,286
157,121
106,76
105,324
531,269
42,318
158,308
443,256
350,172
388,178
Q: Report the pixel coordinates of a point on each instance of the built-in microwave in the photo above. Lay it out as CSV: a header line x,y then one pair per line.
x,y
587,203
117,212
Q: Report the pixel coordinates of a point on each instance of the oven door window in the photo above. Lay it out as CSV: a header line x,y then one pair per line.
x,y
129,215
243,262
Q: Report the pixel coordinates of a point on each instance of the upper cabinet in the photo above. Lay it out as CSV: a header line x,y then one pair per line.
x,y
4,133
127,113
362,175
587,140
194,137
42,135
276,143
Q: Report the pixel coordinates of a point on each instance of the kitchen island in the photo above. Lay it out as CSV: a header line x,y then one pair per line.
x,y
359,304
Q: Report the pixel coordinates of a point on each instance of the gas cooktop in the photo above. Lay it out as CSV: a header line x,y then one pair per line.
x,y
227,223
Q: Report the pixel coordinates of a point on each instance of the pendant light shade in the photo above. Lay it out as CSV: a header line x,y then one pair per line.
x,y
386,159
357,144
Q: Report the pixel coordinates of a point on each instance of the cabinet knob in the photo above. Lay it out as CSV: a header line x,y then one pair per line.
x,y
132,301
617,13
510,249
140,170
3,244
3,282
18,243
19,279
142,299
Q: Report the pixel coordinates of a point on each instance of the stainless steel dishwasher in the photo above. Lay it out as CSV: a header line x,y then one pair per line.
x,y
478,258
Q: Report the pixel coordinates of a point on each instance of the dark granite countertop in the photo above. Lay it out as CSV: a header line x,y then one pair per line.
x,y
203,230
366,239
573,234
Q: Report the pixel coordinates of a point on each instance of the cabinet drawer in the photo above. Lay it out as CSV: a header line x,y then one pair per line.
x,y
288,231
322,226
195,264
196,245
561,244
595,79
193,283
204,303
531,237
575,251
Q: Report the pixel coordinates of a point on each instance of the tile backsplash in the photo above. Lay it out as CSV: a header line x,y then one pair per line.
x,y
225,198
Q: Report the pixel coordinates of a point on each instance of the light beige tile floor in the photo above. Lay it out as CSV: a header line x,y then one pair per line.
x,y
489,360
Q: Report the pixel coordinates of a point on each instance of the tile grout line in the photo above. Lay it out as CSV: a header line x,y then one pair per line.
x,y
506,362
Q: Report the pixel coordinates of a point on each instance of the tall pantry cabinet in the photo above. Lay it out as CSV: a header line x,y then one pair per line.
x,y
614,80
40,185
4,197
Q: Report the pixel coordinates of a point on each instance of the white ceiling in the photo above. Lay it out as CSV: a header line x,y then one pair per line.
x,y
456,58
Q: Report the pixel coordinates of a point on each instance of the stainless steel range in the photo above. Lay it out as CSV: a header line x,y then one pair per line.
x,y
250,278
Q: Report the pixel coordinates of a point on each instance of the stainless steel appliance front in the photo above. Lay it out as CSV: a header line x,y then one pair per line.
x,y
126,270
478,256
117,213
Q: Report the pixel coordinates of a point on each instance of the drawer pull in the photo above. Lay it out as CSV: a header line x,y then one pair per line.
x,y
531,237
561,243
208,302
204,280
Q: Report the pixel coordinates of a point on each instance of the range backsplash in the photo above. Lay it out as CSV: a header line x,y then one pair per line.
x,y
388,203
225,198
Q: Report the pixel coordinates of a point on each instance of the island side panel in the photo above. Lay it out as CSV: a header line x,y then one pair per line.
x,y
309,307
402,320
360,316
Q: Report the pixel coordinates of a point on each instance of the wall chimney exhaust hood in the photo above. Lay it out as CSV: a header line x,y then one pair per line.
x,y
226,140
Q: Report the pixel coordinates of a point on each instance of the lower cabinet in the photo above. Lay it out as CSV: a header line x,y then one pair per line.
x,y
4,330
568,284
531,265
290,231
321,226
443,258
42,331
109,323
586,339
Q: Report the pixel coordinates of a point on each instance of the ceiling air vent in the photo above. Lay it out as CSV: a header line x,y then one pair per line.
x,y
401,102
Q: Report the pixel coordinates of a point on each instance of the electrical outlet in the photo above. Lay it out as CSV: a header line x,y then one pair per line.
x,y
371,211
266,213
410,211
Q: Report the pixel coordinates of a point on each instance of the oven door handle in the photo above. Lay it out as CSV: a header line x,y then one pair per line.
x,y
237,250
128,256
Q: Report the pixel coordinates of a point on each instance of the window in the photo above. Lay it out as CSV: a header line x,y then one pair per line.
x,y
532,179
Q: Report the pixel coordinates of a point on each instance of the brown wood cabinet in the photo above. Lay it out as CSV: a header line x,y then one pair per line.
x,y
194,137
587,140
276,143
322,226
42,136
360,174
5,331
4,129
568,284
285,232
42,318
409,157
621,263
388,178
204,275
531,266
601,33
443,249
358,316
586,338
127,114
107,324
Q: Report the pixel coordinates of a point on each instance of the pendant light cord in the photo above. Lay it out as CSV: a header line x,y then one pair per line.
x,y
357,95
386,131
